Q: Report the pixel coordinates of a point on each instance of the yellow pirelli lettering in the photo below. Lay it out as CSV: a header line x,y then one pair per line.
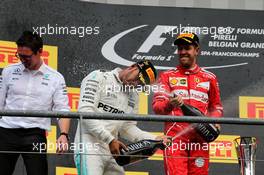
x,y
8,51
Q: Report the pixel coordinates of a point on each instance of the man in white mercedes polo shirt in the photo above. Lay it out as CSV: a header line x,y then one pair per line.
x,y
30,85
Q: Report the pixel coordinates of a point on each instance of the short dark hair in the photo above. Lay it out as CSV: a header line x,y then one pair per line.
x,y
30,40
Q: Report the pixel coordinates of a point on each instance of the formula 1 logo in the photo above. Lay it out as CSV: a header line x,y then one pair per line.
x,y
158,41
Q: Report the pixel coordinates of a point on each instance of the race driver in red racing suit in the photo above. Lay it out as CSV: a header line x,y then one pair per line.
x,y
194,86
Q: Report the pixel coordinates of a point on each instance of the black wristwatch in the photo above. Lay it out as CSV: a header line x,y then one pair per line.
x,y
66,134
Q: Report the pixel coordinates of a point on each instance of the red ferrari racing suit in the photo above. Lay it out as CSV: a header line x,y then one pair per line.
x,y
189,154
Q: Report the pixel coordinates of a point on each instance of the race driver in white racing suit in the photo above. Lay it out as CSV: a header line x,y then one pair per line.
x,y
102,92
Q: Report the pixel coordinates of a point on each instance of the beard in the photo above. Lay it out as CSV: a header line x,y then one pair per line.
x,y
186,61
27,64
186,66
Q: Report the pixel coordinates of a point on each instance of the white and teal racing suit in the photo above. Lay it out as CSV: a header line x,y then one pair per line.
x,y
100,94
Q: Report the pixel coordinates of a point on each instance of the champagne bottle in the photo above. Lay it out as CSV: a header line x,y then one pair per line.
x,y
139,151
207,131
187,109
190,110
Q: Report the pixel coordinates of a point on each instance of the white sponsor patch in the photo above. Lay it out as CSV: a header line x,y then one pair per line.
x,y
199,96
182,92
204,85
199,162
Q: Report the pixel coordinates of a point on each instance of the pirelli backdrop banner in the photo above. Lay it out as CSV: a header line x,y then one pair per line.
x,y
80,37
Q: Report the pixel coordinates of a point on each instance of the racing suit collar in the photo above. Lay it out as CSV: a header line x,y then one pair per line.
x,y
116,74
194,70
